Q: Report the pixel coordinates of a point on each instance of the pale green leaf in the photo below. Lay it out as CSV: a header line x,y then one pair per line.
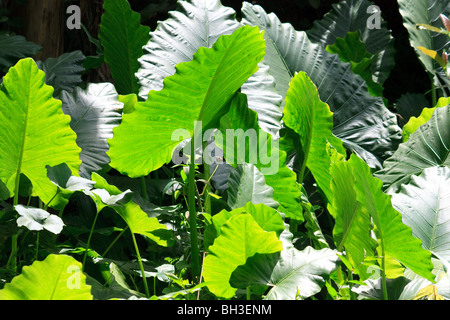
x,y
312,120
137,220
241,237
394,237
34,133
199,91
58,277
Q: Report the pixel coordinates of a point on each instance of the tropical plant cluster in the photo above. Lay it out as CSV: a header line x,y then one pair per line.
x,y
129,189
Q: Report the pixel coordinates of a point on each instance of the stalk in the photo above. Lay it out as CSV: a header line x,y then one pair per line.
x,y
114,241
383,274
433,91
144,189
12,260
141,266
195,263
89,241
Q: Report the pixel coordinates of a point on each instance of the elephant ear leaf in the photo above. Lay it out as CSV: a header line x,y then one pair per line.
x,y
58,277
200,23
425,205
199,91
312,120
122,37
15,47
395,238
354,17
426,12
361,121
34,132
426,147
95,111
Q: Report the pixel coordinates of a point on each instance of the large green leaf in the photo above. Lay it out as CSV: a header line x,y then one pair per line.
x,y
122,37
394,237
137,220
361,121
241,237
200,23
199,91
312,120
425,206
291,274
266,217
15,47
427,147
95,111
353,15
352,222
58,277
267,157
34,132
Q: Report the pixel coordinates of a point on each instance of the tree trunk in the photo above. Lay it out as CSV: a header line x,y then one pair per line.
x,y
44,25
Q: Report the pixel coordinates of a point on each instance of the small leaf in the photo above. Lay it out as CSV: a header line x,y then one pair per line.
x,y
95,112
247,184
430,292
445,21
433,54
61,175
137,220
36,219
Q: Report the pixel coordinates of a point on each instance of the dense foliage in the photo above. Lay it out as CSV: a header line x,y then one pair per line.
x,y
231,157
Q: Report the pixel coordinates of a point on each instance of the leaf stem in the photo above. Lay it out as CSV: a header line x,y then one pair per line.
x,y
433,91
89,241
12,260
141,266
114,241
144,188
383,275
195,263
37,247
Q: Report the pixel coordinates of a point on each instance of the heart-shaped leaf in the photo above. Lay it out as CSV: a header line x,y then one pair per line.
x,y
34,132
199,91
291,274
58,277
241,237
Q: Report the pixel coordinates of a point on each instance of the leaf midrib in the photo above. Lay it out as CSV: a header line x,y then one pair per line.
x,y
22,147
